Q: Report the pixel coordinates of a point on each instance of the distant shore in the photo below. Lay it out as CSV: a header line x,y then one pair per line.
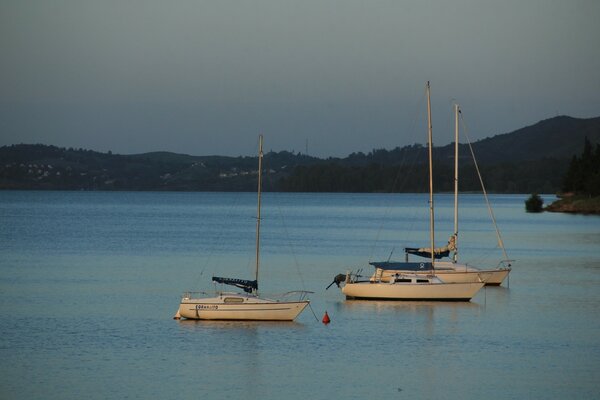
x,y
575,205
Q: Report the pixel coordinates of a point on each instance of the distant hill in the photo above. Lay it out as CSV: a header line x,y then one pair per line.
x,y
559,137
531,159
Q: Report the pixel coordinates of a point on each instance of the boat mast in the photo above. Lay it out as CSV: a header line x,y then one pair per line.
x,y
431,217
456,112
260,156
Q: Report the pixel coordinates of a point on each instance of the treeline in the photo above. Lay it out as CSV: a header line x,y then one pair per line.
x,y
42,167
583,173
57,168
543,176
398,170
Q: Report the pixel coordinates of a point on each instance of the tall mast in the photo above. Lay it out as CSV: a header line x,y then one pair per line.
x,y
456,111
260,157
431,217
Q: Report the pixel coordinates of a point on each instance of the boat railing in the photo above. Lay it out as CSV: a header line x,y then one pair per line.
x,y
301,295
354,277
193,295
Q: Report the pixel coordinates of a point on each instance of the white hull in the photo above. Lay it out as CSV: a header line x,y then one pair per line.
x,y
453,273
488,277
412,291
240,307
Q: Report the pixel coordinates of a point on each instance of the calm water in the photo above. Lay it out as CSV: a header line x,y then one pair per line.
x,y
89,283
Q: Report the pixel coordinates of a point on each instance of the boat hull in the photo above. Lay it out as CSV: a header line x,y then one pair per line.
x,y
240,308
410,291
450,272
496,277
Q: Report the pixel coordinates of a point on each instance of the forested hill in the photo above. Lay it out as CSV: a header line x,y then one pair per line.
x,y
531,159
559,137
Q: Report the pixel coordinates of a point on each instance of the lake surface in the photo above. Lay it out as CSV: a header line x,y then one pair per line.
x,y
89,282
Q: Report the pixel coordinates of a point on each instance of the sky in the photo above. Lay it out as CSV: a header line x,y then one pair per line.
x,y
328,77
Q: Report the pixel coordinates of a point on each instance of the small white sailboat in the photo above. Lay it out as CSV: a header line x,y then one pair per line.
x,y
449,271
410,285
246,306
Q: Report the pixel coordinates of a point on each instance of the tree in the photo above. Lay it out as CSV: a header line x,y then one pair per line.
x,y
583,175
534,203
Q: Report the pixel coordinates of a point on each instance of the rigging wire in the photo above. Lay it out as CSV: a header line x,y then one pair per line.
x,y
220,236
313,312
398,185
269,180
285,228
487,201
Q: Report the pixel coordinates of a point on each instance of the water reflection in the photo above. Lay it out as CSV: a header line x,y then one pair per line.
x,y
403,306
432,316
239,349
493,294
190,324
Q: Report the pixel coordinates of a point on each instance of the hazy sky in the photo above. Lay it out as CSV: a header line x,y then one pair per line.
x,y
206,77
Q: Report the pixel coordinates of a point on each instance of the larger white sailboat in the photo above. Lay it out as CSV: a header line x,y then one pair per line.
x,y
410,285
246,305
449,271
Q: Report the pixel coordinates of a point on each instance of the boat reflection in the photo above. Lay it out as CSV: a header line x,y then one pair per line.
x,y
386,306
191,324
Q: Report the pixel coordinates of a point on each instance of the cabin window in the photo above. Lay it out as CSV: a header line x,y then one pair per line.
x,y
422,281
233,300
403,280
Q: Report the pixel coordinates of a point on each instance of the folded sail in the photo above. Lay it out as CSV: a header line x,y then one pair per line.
x,y
439,252
426,252
247,285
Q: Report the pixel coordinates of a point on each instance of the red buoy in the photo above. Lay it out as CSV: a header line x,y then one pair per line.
x,y
326,319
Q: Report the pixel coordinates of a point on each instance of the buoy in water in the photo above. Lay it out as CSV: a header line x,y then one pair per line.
x,y
326,319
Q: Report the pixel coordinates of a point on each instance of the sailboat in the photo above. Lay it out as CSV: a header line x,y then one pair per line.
x,y
449,271
410,285
246,305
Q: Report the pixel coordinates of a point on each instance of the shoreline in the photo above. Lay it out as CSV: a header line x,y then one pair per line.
x,y
575,205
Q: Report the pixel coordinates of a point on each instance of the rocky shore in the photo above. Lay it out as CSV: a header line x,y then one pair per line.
x,y
576,205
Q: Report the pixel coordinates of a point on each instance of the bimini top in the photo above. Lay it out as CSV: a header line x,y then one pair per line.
x,y
247,285
402,266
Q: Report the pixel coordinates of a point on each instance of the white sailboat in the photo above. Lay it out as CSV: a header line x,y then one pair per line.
x,y
247,305
410,285
449,271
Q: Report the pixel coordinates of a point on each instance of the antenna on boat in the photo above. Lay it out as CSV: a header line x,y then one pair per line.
x,y
456,112
260,157
431,215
